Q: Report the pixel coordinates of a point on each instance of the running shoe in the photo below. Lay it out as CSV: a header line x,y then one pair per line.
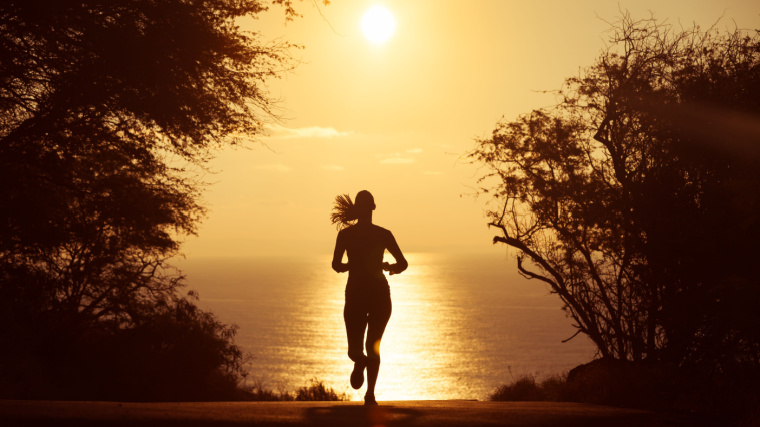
x,y
357,376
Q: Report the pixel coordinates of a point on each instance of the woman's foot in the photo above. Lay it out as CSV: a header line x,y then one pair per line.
x,y
370,400
357,376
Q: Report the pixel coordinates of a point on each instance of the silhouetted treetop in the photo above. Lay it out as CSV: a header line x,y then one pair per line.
x,y
107,110
102,100
635,198
177,75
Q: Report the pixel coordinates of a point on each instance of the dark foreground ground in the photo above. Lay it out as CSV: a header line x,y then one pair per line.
x,y
388,414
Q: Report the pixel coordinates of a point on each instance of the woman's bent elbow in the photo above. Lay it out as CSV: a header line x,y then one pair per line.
x,y
338,267
401,266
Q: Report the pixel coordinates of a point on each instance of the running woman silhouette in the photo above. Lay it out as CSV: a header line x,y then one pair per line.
x,y
368,297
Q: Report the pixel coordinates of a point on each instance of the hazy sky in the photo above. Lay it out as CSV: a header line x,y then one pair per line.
x,y
396,118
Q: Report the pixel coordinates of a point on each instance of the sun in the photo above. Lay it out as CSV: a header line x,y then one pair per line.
x,y
378,24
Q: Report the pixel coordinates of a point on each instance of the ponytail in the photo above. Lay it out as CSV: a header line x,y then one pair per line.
x,y
344,212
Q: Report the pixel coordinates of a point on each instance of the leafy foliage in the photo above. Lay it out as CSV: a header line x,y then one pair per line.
x,y
317,391
107,109
635,198
314,390
655,386
526,389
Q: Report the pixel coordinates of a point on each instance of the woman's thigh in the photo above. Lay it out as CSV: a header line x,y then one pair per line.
x,y
377,319
355,316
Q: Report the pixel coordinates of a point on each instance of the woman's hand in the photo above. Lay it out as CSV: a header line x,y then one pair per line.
x,y
341,268
391,268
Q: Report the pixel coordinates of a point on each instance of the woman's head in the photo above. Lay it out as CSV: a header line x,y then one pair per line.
x,y
364,202
345,212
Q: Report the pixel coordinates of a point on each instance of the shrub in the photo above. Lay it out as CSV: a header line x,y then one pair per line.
x,y
525,388
173,351
723,396
315,390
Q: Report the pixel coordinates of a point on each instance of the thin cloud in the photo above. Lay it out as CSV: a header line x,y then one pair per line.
x,y
397,161
277,167
333,168
399,158
434,173
281,132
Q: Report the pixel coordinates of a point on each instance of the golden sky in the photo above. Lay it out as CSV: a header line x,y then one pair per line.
x,y
395,118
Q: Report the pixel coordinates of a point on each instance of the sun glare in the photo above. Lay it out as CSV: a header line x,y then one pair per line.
x,y
378,24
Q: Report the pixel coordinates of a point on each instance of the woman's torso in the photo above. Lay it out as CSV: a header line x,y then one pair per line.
x,y
365,245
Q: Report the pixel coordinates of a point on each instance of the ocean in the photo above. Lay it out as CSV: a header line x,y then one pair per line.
x,y
461,325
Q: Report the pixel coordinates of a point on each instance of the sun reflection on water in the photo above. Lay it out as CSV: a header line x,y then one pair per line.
x,y
417,354
411,347
456,326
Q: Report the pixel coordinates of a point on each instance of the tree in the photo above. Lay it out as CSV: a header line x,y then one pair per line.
x,y
106,108
635,198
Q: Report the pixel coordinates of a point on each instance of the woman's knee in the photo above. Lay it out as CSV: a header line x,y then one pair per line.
x,y
356,355
373,349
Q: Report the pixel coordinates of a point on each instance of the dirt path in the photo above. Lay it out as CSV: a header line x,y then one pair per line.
x,y
388,414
